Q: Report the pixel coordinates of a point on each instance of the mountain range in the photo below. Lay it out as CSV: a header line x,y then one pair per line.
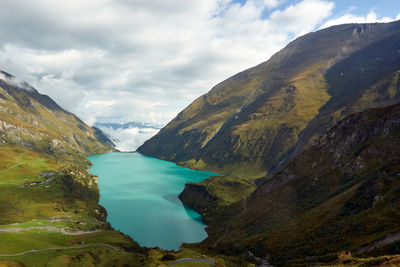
x,y
307,144
127,125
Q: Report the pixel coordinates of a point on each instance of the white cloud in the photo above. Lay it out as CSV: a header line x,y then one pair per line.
x,y
273,3
144,60
371,17
303,17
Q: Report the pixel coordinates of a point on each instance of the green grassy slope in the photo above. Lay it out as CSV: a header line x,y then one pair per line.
x,y
254,122
341,193
33,217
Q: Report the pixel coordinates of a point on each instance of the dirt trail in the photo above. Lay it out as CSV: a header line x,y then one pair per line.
x,y
47,228
190,260
390,238
228,228
222,237
63,248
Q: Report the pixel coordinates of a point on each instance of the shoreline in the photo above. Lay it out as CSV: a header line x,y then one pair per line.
x,y
185,206
103,208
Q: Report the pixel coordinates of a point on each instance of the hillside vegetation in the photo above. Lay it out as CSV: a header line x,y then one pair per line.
x,y
56,215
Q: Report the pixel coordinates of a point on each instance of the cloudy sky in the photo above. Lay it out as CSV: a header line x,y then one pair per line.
x,y
145,60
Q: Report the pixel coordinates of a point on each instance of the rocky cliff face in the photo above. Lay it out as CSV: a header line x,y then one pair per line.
x,y
341,193
254,122
35,121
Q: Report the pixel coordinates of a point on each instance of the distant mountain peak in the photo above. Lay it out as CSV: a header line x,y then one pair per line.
x,y
127,125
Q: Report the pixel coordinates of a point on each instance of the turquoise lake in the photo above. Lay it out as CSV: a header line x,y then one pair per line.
x,y
140,195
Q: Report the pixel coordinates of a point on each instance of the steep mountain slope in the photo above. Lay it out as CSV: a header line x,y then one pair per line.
x,y
49,208
341,193
254,122
36,122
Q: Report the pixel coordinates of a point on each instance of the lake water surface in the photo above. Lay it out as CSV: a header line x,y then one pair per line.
x,y
140,194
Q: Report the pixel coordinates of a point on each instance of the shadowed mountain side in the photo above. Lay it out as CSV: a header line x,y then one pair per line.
x,y
341,193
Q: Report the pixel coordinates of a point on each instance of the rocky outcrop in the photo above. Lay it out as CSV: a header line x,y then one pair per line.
x,y
197,197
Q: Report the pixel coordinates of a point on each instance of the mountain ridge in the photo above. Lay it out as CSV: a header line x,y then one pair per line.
x,y
253,123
